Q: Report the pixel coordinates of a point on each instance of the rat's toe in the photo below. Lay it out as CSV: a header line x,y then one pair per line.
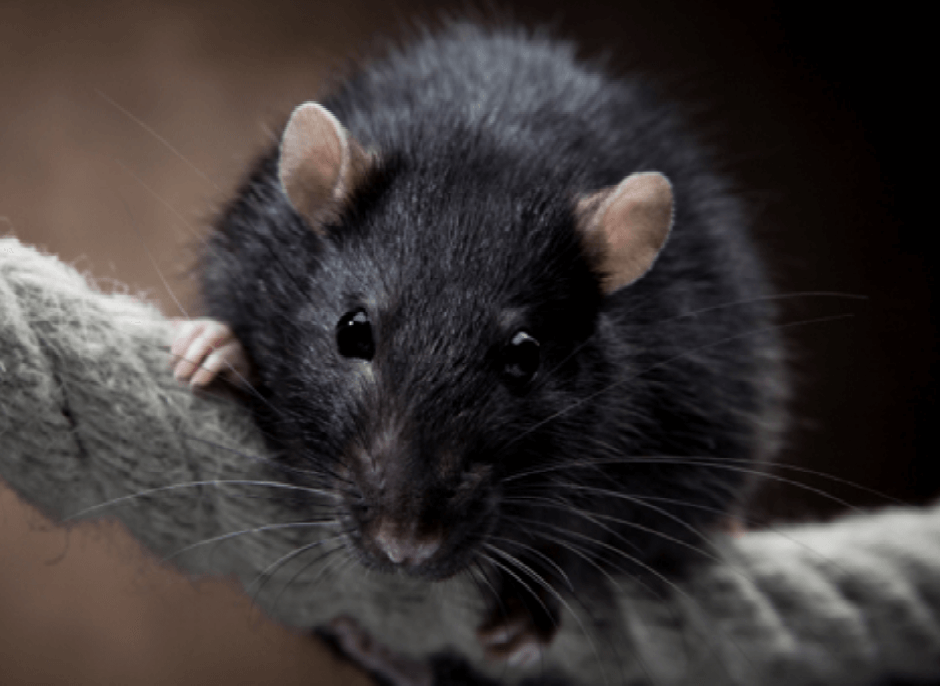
x,y
515,641
514,637
202,348
229,360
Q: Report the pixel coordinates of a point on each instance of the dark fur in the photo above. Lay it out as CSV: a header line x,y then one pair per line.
x,y
464,234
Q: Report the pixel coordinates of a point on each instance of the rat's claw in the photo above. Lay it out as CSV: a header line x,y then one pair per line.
x,y
184,331
229,360
204,348
513,640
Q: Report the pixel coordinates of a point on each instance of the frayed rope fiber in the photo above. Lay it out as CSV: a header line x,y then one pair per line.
x,y
92,425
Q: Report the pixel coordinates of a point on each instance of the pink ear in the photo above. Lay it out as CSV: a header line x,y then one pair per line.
x,y
320,163
627,226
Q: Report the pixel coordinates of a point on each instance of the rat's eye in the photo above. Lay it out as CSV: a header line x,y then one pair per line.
x,y
521,358
354,336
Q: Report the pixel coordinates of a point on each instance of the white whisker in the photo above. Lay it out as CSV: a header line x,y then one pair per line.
x,y
152,132
198,484
538,579
670,360
243,532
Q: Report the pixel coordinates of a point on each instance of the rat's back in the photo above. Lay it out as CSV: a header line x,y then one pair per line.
x,y
512,90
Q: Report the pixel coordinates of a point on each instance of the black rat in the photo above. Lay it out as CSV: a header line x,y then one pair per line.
x,y
500,302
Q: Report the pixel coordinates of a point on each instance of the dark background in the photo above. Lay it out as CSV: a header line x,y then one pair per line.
x,y
123,124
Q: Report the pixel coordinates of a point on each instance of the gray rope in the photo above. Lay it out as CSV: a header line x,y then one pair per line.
x,y
89,413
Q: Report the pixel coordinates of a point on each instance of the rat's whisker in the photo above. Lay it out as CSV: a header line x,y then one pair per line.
x,y
149,254
654,508
276,464
513,561
342,560
594,518
510,559
150,130
584,552
538,553
626,379
764,470
476,568
269,571
216,483
765,298
172,295
243,532
717,464
661,577
191,230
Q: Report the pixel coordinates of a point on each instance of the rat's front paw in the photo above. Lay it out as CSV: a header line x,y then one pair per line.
x,y
205,348
516,635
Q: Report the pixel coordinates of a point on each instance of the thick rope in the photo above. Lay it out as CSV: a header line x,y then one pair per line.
x,y
89,413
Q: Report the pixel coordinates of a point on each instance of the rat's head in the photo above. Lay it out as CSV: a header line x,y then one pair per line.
x,y
445,337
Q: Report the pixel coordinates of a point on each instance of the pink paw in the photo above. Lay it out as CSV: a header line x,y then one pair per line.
x,y
203,349
515,637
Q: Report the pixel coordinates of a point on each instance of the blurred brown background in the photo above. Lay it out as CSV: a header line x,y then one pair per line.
x,y
123,124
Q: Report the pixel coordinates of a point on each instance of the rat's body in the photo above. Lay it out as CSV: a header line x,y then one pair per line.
x,y
502,393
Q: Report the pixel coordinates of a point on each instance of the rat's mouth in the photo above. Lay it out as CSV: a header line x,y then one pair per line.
x,y
432,553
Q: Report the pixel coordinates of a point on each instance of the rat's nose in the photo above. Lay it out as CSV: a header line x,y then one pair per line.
x,y
403,546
